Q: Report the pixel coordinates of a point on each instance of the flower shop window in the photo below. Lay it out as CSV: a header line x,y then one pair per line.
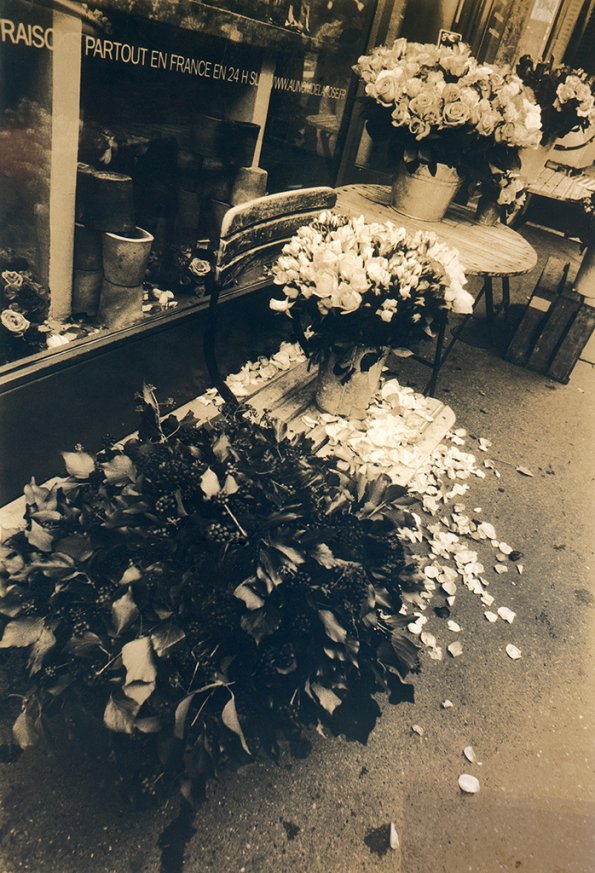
x,y
169,114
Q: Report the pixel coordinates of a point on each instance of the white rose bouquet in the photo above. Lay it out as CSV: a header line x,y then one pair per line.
x,y
440,105
566,96
373,285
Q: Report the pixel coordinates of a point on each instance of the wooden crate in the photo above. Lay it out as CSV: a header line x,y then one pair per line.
x,y
555,327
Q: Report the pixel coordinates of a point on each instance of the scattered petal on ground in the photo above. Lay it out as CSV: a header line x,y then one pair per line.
x,y
469,784
393,837
446,704
469,753
417,729
454,627
513,652
507,614
455,649
501,568
491,616
524,471
519,569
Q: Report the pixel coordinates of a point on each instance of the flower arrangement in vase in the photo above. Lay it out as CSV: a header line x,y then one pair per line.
x,y
444,111
566,96
364,289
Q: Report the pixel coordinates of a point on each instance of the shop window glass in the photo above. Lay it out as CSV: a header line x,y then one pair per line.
x,y
185,109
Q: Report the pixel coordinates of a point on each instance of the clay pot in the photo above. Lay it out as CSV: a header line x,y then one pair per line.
x,y
206,134
421,195
249,183
118,306
87,249
86,288
84,173
110,205
125,258
239,143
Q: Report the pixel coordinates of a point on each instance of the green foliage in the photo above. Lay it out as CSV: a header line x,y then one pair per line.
x,y
203,592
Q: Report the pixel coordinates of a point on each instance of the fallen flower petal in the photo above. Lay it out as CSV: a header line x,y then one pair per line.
x,y
417,729
513,652
393,837
491,616
447,704
469,753
469,784
455,649
507,614
524,471
454,627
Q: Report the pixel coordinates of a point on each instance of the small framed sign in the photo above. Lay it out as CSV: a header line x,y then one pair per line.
x,y
449,38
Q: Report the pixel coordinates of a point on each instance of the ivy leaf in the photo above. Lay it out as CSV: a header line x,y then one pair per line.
x,y
150,725
120,715
230,485
75,546
84,645
42,645
124,611
166,637
137,657
261,623
405,650
181,714
289,552
24,731
39,538
221,447
131,574
332,627
323,556
21,633
327,698
209,483
249,597
230,719
119,469
79,464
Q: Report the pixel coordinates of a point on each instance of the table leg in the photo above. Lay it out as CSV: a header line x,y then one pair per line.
x,y
489,299
505,294
438,360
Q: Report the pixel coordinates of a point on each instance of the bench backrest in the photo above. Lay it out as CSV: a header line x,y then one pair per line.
x,y
253,233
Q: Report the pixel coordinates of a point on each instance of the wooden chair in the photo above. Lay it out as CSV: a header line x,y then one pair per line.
x,y
250,238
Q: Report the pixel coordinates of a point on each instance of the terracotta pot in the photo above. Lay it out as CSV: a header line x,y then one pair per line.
x,y
86,288
421,195
125,258
239,143
188,216
87,249
118,306
249,183
206,134
84,172
352,397
110,206
487,212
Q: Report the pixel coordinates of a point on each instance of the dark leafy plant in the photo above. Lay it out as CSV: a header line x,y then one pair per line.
x,y
203,592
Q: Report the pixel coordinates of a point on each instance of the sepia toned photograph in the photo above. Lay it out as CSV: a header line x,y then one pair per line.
x,y
297,301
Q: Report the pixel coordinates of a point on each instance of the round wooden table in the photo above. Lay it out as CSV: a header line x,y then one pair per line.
x,y
484,250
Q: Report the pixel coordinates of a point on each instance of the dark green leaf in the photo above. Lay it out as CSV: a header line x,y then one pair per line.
x,y
42,645
124,612
166,637
21,633
120,714
24,731
229,717
137,657
79,464
119,469
326,697
261,623
333,629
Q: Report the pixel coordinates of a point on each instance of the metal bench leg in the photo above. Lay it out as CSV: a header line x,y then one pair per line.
x,y
209,342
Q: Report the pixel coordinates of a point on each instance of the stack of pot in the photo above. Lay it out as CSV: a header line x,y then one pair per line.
x,y
110,252
227,149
